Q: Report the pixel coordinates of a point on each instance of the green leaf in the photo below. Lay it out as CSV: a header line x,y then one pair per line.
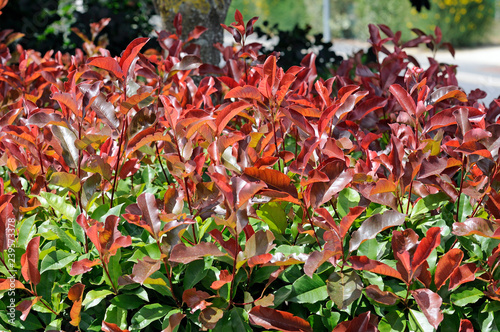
x,y
26,231
114,268
395,321
94,297
307,290
195,272
56,260
428,203
465,296
116,316
373,249
344,288
274,215
127,301
65,238
58,203
239,318
418,322
348,198
148,314
66,180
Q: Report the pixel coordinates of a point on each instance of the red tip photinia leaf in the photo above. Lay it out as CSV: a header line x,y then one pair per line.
x,y
29,261
274,179
247,91
426,246
447,265
75,294
430,304
107,63
67,100
224,278
228,112
465,326
365,322
374,225
478,226
403,98
83,266
174,321
274,319
347,220
150,212
195,299
111,327
131,52
383,297
448,92
25,307
182,254
364,263
144,268
463,274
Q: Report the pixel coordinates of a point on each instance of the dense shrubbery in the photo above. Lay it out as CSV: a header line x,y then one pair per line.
x,y
257,199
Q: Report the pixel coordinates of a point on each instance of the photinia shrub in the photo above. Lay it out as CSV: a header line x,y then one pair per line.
x,y
152,192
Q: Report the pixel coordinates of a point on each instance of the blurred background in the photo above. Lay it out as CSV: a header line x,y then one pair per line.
x,y
293,27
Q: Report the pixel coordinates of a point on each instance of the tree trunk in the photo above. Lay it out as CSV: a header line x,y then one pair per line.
x,y
207,13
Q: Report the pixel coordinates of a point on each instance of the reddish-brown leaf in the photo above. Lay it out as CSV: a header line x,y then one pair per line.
x,y
173,321
430,304
150,212
315,259
383,186
75,294
448,92
5,284
131,52
347,220
195,299
364,263
224,278
274,319
247,91
478,226
25,307
108,64
66,99
383,297
182,254
463,274
274,179
426,246
29,261
144,268
465,326
447,265
229,111
85,265
374,225
403,98
111,327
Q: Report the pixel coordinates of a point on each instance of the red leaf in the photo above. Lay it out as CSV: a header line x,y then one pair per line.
x,y
182,254
131,52
374,225
465,326
364,263
426,246
442,119
75,294
108,64
229,111
386,298
447,265
447,93
173,321
29,261
150,212
5,284
383,186
25,307
315,259
430,304
347,220
195,299
463,274
224,278
144,268
111,327
403,98
85,265
247,91
478,226
274,179
67,100
277,320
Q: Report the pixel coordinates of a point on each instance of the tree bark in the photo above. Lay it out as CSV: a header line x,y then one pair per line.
x,y
207,13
